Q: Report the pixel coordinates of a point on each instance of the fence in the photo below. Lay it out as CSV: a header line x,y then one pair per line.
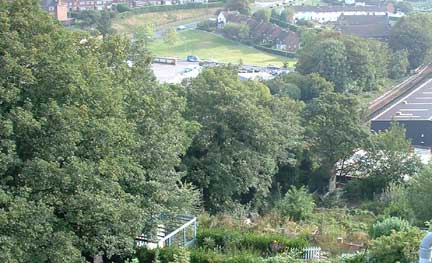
x,y
180,231
309,253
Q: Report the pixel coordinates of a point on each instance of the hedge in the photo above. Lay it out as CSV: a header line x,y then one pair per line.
x,y
283,24
276,51
166,255
164,8
228,239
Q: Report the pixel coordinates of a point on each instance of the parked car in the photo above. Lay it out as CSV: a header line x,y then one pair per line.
x,y
192,58
179,28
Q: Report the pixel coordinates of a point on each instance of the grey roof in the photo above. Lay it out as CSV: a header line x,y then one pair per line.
x,y
362,19
323,9
415,106
364,26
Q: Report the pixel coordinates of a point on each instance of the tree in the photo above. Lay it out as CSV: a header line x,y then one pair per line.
x,y
245,133
329,59
170,36
297,86
262,15
104,23
352,64
121,8
89,142
414,34
287,15
387,159
297,204
275,14
399,64
236,31
334,129
419,195
145,34
404,7
243,6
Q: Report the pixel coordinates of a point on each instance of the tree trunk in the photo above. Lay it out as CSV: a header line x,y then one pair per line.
x,y
332,179
98,259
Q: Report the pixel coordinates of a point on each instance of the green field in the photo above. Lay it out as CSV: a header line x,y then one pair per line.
x,y
209,46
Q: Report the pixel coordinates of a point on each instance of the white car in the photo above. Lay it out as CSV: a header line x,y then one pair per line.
x,y
179,28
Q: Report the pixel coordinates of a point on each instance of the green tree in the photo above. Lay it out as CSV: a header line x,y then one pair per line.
x,y
262,15
245,133
334,129
398,247
399,64
329,59
145,34
414,34
297,204
419,195
170,36
104,23
236,31
352,64
243,6
287,15
387,159
297,86
89,143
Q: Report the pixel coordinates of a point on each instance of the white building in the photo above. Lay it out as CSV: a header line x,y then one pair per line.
x,y
324,14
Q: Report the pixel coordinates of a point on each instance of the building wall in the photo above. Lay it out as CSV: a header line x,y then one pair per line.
x,y
323,17
419,132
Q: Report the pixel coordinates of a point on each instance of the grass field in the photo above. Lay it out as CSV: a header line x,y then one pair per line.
x,y
209,46
161,20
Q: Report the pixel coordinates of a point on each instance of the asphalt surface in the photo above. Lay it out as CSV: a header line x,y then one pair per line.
x,y
175,73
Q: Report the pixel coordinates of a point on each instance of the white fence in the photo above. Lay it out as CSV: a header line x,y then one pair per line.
x,y
309,253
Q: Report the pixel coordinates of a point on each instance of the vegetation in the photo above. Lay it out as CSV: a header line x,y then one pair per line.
x,y
94,151
160,20
414,34
206,46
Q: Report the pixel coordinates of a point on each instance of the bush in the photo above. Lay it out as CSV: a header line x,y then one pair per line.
x,y
121,8
298,204
398,247
276,51
207,25
388,225
228,239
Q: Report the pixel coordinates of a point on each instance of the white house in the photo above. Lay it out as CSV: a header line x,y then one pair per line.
x,y
221,20
324,14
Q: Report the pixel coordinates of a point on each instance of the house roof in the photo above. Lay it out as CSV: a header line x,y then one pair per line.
x,y
326,9
362,19
364,26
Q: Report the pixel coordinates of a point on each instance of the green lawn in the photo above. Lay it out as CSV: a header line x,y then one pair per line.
x,y
209,46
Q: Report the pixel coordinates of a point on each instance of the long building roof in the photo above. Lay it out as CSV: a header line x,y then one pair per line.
x,y
415,106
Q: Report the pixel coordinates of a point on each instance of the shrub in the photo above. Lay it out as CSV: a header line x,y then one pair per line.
x,y
398,247
298,204
228,239
388,225
122,8
207,25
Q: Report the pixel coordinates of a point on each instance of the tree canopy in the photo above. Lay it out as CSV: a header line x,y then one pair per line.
x,y
245,133
414,34
89,143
